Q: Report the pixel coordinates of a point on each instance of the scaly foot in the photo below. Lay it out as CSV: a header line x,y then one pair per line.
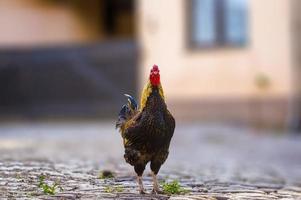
x,y
140,183
157,191
142,192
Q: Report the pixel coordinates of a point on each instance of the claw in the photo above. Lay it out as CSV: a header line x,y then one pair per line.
x,y
142,192
157,191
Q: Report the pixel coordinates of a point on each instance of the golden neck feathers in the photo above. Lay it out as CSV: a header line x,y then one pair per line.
x,y
147,90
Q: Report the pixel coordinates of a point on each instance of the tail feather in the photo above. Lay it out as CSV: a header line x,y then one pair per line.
x,y
127,111
132,102
122,116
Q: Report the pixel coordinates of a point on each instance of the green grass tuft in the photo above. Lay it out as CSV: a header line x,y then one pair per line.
x,y
114,189
106,174
48,189
173,188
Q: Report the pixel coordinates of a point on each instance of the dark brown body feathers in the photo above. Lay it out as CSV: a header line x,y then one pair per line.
x,y
148,134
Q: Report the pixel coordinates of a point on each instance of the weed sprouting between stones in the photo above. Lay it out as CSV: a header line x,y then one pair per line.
x,y
173,187
48,189
106,174
114,189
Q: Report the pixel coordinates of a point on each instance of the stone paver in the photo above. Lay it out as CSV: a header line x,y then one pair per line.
x,y
212,162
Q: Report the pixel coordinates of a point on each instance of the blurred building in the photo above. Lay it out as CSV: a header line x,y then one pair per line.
x,y
56,22
66,58
221,60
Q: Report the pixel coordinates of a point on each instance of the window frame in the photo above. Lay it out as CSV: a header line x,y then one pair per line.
x,y
191,44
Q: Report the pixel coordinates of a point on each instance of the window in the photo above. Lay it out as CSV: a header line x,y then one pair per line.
x,y
218,23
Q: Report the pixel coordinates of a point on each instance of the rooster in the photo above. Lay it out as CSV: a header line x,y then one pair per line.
x,y
147,130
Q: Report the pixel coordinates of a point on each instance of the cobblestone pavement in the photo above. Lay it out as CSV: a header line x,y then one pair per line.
x,y
211,162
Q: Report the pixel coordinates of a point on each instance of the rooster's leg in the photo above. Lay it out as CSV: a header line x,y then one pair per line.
x,y
155,167
139,170
156,189
140,183
155,183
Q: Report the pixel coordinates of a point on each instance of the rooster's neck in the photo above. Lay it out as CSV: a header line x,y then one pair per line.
x,y
147,91
155,109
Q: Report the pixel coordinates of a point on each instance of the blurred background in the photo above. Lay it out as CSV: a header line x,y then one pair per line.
x,y
222,61
230,70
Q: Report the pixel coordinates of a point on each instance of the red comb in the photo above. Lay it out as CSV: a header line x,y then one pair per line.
x,y
155,68
155,75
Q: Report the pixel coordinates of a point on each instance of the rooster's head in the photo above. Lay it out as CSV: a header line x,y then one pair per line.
x,y
154,76
153,83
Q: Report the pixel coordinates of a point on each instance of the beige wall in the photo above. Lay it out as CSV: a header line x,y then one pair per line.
x,y
231,73
36,22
